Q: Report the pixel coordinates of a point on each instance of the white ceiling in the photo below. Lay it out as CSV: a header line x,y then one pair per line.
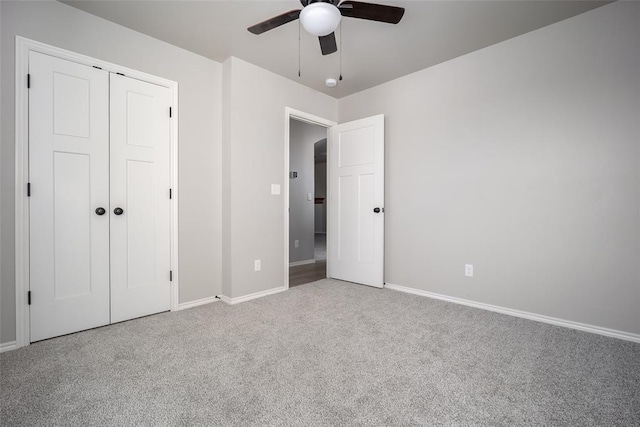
x,y
431,32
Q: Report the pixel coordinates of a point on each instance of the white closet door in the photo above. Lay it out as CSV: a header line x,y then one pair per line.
x,y
140,245
69,176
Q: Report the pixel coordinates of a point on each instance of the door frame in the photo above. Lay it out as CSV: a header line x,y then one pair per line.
x,y
23,47
290,114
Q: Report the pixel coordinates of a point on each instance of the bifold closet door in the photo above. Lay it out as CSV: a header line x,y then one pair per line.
x,y
140,205
69,177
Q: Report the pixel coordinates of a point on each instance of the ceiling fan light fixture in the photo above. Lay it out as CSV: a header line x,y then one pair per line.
x,y
320,19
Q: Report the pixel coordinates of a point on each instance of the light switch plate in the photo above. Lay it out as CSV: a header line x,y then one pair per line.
x,y
275,189
468,270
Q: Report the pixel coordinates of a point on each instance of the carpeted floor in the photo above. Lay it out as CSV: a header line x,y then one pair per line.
x,y
325,353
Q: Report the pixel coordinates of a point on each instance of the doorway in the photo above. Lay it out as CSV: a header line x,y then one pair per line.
x,y
306,201
307,196
320,201
354,198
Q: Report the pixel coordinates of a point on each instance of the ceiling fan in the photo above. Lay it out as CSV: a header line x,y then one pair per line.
x,y
322,17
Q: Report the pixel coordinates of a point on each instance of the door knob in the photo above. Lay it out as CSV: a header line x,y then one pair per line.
x,y
100,211
378,210
118,211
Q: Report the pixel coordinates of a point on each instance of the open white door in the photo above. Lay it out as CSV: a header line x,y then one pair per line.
x,y
356,210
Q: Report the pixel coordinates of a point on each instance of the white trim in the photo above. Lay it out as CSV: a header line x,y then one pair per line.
x,y
32,45
21,202
175,194
245,298
628,336
225,300
197,302
8,346
23,47
290,113
303,262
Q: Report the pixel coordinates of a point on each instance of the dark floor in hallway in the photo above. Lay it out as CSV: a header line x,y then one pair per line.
x,y
307,273
301,274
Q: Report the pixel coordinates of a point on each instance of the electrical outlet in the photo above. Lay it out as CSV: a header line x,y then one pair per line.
x,y
257,265
296,243
468,270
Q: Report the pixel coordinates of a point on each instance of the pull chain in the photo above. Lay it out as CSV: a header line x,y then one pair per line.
x,y
341,50
299,73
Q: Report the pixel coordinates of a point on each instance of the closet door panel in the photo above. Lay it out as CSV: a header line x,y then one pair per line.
x,y
68,172
140,232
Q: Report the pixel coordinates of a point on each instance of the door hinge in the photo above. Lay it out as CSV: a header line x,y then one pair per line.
x,y
28,297
28,81
171,275
170,112
170,194
28,189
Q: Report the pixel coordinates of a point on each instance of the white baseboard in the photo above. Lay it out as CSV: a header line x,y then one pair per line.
x,y
303,262
197,302
245,298
628,336
8,346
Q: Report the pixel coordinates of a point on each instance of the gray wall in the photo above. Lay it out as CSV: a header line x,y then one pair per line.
x,y
226,174
302,137
522,159
254,149
5,331
199,108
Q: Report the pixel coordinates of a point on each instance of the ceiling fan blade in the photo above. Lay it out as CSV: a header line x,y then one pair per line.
x,y
328,44
371,11
274,22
